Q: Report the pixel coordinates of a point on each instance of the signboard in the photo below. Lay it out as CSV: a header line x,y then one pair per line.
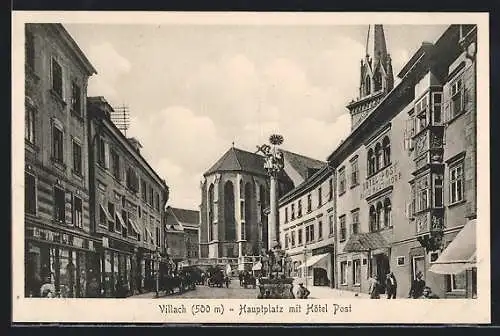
x,y
62,238
381,180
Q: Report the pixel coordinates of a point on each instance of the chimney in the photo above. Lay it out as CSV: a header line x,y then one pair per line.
x,y
135,143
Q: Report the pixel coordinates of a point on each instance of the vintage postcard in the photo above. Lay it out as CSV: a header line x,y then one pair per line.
x,y
185,167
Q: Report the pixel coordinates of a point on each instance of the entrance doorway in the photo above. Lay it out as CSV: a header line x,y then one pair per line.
x,y
381,267
320,278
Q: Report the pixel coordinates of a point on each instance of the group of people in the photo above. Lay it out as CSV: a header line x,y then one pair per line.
x,y
418,289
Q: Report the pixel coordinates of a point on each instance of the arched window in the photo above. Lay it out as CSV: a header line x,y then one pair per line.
x,y
373,219
229,215
380,215
387,212
211,206
378,157
249,197
371,162
386,146
377,79
368,86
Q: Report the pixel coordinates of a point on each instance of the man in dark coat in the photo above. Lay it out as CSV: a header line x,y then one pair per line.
x,y
391,286
417,286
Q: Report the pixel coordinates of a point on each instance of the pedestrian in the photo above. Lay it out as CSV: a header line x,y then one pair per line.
x,y
303,291
417,286
391,286
240,277
374,289
93,288
428,294
226,279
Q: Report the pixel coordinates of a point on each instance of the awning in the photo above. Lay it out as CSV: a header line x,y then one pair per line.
x,y
150,235
108,216
257,266
134,226
120,219
460,254
314,260
364,242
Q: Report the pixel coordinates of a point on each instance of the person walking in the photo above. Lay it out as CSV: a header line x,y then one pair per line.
x,y
391,286
417,286
374,289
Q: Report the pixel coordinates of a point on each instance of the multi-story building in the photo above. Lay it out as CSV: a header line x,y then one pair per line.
x,y
235,194
60,251
182,235
401,173
307,219
127,204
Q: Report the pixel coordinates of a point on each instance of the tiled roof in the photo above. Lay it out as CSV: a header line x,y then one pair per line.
x,y
365,241
187,217
304,165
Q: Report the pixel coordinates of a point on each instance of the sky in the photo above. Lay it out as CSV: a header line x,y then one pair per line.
x,y
193,90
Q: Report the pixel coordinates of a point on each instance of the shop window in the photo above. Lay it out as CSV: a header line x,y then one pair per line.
x,y
343,230
67,273
57,79
355,222
320,197
29,124
342,180
59,204
299,208
76,99
356,271
354,173
320,230
456,183
77,158
29,46
57,144
438,191
30,194
343,273
330,225
77,212
457,282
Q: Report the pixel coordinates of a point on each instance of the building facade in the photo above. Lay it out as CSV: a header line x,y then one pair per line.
x,y
235,195
128,199
307,233
401,181
182,235
60,252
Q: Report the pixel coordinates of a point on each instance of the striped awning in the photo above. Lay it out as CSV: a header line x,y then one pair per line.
x,y
108,216
120,219
134,226
150,235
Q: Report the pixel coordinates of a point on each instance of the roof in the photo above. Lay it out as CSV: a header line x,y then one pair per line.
x,y
314,180
236,159
182,218
363,242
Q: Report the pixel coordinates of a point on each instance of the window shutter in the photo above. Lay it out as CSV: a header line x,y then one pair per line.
x,y
106,155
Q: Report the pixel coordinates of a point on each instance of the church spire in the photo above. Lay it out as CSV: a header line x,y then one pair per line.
x,y
375,43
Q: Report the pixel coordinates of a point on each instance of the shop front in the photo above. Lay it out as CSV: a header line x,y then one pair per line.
x,y
60,263
116,268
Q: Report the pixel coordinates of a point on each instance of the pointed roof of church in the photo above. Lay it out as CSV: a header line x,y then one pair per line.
x,y
236,159
375,44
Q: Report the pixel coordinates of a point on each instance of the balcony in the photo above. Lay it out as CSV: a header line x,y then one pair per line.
x,y
429,228
428,149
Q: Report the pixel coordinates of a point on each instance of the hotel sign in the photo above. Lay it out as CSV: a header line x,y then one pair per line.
x,y
381,180
61,238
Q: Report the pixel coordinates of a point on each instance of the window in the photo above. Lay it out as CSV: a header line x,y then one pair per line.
x,y
330,225
101,150
343,231
354,172
387,213
59,204
386,148
457,98
29,126
421,109
150,200
371,162
57,144
111,211
330,189
30,194
103,219
77,212
77,158
411,205
433,256
356,271
76,99
157,201
355,222
341,180
29,45
309,203
308,233
124,224
299,208
286,215
293,238
286,240
299,237
457,282
115,164
456,183
133,181
144,189
438,190
422,188
437,107
343,273
243,231
293,211
378,157
57,85
380,215
320,229
400,261
373,219
320,197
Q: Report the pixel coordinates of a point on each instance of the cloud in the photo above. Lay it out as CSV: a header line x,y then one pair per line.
x,y
110,66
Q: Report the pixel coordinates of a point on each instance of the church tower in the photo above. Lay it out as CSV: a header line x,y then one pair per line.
x,y
376,76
